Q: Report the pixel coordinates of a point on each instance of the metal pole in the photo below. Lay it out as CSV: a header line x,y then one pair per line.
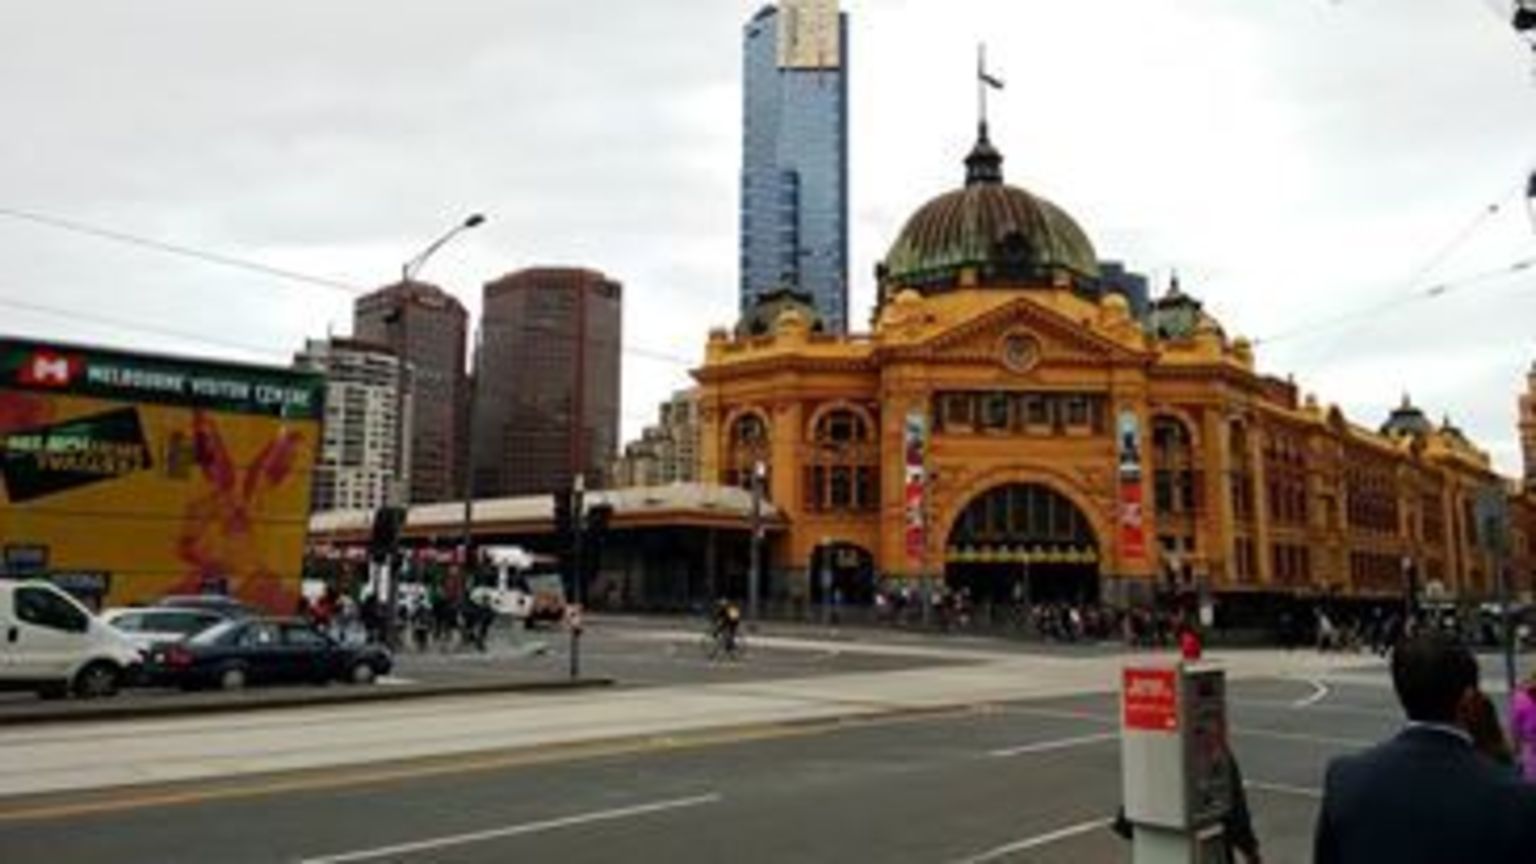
x,y
578,569
1511,675
753,575
467,537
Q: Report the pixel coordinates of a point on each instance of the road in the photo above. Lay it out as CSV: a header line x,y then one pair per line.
x,y
1020,781
928,751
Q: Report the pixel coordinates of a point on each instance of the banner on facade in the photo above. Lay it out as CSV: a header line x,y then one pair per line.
x,y
915,446
1133,534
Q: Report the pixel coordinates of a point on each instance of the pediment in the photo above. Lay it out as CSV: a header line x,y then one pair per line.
x,y
1021,334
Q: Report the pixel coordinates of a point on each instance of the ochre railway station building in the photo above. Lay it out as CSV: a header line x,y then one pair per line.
x,y
1011,427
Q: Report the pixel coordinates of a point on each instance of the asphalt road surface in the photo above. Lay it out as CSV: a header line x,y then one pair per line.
x,y
1020,781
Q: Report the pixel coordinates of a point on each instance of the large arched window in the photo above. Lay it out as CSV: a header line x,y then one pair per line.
x,y
1176,482
842,471
746,445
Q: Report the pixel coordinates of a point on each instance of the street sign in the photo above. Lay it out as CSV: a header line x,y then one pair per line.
x,y
1151,699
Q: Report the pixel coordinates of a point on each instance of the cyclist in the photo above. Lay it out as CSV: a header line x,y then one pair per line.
x,y
726,624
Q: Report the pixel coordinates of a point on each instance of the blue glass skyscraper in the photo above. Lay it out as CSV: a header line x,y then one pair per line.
x,y
794,177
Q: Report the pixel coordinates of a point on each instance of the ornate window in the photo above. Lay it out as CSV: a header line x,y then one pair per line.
x,y
748,444
1175,482
843,470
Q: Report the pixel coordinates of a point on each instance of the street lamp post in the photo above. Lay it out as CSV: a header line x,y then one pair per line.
x,y
578,569
408,271
466,541
754,577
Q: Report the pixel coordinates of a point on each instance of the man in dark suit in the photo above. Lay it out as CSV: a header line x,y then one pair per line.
x,y
1425,796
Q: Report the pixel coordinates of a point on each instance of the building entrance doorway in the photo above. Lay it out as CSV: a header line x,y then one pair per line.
x,y
845,572
1023,542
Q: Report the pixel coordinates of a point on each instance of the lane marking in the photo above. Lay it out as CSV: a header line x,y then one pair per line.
x,y
1058,744
1319,693
1037,841
515,830
1283,789
1354,711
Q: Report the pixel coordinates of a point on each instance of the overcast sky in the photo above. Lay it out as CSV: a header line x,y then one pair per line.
x,y
1296,161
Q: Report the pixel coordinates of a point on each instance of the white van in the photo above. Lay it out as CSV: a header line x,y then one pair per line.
x,y
52,644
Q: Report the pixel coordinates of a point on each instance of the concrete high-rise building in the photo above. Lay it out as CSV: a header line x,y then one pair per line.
x,y
794,177
667,452
361,464
1528,429
425,326
547,379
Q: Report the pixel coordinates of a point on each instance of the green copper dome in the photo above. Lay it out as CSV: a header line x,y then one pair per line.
x,y
1002,231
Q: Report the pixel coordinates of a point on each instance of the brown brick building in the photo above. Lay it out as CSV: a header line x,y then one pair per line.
x,y
547,397
426,327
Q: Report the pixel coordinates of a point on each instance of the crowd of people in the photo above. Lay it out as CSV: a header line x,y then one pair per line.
x,y
427,618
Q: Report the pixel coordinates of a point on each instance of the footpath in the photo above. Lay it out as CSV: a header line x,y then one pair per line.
x,y
90,755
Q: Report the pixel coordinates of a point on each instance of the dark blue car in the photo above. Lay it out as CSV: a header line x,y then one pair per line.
x,y
257,651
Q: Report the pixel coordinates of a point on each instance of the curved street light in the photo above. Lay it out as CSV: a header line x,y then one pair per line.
x,y
409,269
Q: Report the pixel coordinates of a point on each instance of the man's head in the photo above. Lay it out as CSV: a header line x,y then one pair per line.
x,y
1433,677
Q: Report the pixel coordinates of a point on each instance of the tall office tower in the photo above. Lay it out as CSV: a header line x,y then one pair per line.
x,y
425,326
794,176
1528,429
360,465
547,379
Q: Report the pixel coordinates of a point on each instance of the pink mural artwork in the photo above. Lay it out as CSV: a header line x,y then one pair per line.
x,y
223,538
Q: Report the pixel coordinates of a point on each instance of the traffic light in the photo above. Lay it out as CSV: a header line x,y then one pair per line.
x,y
598,518
386,532
564,527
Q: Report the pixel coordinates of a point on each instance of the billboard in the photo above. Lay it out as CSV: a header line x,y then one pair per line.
x,y
1133,532
131,476
915,447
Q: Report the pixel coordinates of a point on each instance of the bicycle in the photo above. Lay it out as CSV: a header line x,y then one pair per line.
x,y
717,642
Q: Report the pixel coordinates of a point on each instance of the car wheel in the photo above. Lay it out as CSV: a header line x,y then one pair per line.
x,y
98,680
362,673
232,678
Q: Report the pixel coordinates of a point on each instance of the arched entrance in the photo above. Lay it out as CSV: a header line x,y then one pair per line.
x,y
1023,541
846,570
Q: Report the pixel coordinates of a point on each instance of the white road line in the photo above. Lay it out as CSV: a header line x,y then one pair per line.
x,y
1036,842
1319,693
1058,744
513,830
1353,711
1283,789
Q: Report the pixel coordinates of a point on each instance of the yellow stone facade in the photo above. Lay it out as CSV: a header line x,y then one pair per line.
x,y
1023,375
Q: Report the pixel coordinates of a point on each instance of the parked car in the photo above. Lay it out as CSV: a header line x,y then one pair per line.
x,y
151,626
256,651
229,607
52,644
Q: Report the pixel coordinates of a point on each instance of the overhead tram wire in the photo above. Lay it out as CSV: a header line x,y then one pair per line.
x,y
203,255
1431,292
76,227
1413,291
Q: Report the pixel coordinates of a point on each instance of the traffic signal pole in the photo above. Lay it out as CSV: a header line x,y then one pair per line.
x,y
578,571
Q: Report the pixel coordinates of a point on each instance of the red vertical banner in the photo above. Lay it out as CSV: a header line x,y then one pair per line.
x,y
915,450
1132,514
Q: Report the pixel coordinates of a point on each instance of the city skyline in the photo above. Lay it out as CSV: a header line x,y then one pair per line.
x,y
1262,152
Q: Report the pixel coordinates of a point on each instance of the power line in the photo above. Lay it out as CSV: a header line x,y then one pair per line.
x,y
1431,292
203,255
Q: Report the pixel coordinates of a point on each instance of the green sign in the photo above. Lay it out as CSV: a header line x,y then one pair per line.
x,y
107,374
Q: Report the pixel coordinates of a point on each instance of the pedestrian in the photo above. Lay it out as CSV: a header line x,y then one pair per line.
x,y
1236,824
1482,721
1190,646
1425,796
1522,727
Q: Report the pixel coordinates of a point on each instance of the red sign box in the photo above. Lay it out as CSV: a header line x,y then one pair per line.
x,y
1151,699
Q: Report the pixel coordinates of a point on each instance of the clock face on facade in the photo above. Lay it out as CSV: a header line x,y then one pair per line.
x,y
1020,352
